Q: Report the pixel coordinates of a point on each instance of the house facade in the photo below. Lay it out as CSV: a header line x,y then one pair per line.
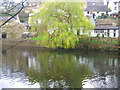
x,y
96,8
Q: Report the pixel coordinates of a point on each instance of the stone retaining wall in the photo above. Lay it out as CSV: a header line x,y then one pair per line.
x,y
20,42
106,22
83,45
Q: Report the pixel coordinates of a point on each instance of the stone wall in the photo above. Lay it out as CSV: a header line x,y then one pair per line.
x,y
106,22
14,30
104,39
82,45
99,44
20,42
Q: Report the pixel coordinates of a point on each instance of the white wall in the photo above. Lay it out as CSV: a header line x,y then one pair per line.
x,y
112,6
94,33
97,14
36,11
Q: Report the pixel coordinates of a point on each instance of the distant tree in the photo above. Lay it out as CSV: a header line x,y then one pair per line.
x,y
58,22
23,16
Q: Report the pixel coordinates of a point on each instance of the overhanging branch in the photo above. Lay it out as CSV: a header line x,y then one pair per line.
x,y
13,15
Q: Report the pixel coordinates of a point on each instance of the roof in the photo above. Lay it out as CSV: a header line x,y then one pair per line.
x,y
96,4
94,0
106,28
34,0
95,8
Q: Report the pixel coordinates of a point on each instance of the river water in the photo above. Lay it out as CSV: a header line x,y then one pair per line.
x,y
23,67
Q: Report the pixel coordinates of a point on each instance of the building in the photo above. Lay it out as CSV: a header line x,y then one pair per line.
x,y
13,30
32,6
7,4
96,8
113,5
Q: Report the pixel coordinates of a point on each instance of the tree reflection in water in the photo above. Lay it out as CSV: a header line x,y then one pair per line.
x,y
58,70
63,68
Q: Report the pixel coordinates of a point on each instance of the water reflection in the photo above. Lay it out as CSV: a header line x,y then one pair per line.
x,y
53,69
59,68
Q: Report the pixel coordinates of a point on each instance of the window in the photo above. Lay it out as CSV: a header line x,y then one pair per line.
x,y
93,3
115,3
97,12
3,35
33,4
29,4
88,12
115,8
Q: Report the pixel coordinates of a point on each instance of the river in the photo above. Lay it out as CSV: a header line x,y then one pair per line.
x,y
25,67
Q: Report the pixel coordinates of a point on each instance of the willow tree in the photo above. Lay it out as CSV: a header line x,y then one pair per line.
x,y
61,24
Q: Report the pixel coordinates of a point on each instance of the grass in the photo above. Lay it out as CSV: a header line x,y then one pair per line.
x,y
38,38
93,41
115,42
105,42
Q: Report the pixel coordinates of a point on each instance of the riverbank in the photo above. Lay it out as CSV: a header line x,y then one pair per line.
x,y
97,44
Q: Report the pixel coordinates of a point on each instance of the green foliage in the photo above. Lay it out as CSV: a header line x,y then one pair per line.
x,y
115,42
23,16
102,14
58,22
38,38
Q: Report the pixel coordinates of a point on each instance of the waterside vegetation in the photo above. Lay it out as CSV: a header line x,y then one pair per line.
x,y
61,23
